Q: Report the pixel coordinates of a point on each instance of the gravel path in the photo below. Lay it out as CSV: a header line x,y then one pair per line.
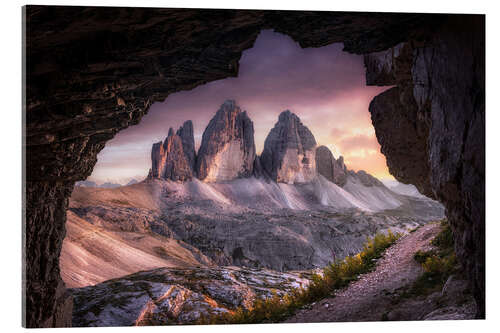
x,y
368,298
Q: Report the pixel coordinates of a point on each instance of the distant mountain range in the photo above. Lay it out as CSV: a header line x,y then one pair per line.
x,y
89,183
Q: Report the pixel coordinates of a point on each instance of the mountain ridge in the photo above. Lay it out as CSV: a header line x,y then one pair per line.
x,y
227,152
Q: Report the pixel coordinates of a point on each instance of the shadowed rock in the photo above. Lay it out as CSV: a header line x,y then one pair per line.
x,y
289,151
431,129
157,160
330,168
174,158
186,133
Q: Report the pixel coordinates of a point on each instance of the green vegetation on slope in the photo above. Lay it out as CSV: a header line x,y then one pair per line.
x,y
438,264
335,276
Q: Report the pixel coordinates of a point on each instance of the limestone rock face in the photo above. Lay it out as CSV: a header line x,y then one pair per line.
x,y
324,162
431,129
289,151
258,172
400,124
339,171
174,158
330,168
157,160
177,296
227,148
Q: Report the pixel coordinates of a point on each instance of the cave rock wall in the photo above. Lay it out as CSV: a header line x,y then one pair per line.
x,y
431,127
91,72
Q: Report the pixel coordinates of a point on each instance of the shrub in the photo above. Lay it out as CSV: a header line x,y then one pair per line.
x,y
335,276
438,264
444,240
421,256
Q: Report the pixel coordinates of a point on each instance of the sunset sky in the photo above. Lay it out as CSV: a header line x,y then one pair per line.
x,y
324,86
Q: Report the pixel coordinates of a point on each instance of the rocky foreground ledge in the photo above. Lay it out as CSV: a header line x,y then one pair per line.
x,y
170,296
176,296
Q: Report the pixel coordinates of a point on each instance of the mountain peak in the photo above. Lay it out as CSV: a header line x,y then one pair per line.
x,y
330,168
174,158
288,115
229,103
227,150
289,154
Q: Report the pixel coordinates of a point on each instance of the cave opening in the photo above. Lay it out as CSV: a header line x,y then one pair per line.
x,y
65,134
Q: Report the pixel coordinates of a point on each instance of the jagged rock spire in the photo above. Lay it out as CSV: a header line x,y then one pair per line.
x,y
227,150
174,158
289,151
330,168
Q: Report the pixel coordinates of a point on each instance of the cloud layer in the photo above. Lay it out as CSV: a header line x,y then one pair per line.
x,y
324,86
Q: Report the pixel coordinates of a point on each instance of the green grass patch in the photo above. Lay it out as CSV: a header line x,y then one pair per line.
x,y
335,276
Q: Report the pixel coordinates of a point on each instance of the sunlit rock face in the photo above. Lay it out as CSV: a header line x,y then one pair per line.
x,y
289,151
157,160
330,168
174,158
227,148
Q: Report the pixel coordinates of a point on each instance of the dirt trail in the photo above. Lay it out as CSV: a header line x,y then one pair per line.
x,y
368,298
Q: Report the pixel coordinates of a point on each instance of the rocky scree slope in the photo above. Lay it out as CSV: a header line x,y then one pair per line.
x,y
155,223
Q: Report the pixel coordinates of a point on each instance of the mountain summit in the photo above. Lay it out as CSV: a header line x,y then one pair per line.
x,y
289,151
174,158
227,148
330,168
